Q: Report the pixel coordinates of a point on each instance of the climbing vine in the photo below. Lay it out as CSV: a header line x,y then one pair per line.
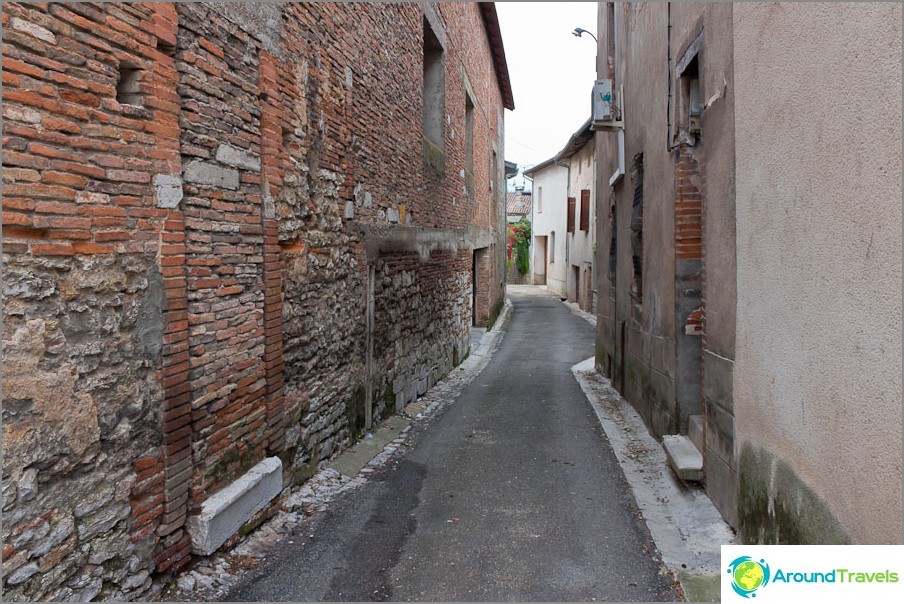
x,y
519,245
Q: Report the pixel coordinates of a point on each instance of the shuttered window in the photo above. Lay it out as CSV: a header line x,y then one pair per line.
x,y
585,210
571,210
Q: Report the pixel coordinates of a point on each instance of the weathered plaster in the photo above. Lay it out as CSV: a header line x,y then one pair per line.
x,y
817,379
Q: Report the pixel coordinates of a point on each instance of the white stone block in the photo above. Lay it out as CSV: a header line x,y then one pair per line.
x,y
31,29
167,190
238,158
224,513
204,173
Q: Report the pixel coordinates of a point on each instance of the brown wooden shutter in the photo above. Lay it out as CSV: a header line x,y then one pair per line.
x,y
571,210
585,210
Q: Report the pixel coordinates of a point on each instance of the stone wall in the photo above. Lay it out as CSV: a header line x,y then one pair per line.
x,y
84,297
430,301
187,264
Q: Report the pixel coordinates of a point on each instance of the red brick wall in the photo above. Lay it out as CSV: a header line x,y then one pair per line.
x,y
93,264
197,264
688,208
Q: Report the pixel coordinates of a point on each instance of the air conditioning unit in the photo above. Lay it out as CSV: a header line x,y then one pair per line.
x,y
602,101
605,110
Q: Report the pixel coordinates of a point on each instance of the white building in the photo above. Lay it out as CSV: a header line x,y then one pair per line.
x,y
563,226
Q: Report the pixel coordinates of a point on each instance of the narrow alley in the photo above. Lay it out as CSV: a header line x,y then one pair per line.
x,y
512,493
297,305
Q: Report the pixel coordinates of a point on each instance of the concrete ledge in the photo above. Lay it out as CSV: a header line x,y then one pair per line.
x,y
353,460
683,456
224,513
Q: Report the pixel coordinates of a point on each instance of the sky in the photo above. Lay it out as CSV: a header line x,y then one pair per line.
x,y
552,74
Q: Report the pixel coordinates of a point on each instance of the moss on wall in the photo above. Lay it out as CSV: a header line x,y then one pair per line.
x,y
775,506
434,158
354,412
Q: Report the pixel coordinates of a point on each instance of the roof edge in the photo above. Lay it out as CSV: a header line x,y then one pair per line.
x,y
575,143
494,36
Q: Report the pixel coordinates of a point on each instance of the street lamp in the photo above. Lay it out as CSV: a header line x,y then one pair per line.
x,y
578,31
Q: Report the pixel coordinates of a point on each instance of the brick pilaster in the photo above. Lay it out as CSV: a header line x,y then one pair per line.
x,y
271,180
175,543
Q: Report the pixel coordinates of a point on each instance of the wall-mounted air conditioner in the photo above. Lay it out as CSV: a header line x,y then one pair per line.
x,y
605,109
602,101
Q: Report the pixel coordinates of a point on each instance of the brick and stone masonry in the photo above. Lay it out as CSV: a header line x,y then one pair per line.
x,y
223,241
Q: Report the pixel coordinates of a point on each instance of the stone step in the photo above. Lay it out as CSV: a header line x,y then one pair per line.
x,y
685,459
695,431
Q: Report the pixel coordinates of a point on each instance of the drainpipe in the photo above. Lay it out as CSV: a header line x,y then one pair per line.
x,y
533,203
668,110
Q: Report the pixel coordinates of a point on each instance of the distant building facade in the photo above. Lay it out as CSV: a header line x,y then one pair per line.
x,y
518,205
564,233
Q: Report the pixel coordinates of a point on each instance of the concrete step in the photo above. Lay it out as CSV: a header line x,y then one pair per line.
x,y
695,431
683,456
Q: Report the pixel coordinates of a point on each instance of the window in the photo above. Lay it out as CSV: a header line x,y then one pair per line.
x,y
434,90
493,170
613,241
539,199
585,210
637,229
469,144
128,88
552,247
690,103
689,106
571,211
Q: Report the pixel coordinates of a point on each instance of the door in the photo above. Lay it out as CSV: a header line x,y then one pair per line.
x,y
540,260
574,291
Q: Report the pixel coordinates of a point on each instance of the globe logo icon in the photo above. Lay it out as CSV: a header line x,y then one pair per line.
x,y
748,575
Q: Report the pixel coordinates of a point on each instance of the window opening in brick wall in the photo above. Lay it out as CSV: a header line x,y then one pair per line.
x,y
495,168
128,88
571,211
539,199
637,230
585,210
552,247
469,144
434,91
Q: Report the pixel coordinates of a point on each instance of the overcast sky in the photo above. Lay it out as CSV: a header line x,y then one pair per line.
x,y
552,74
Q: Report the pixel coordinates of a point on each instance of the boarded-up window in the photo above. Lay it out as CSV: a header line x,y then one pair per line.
x,y
637,229
571,210
434,88
585,210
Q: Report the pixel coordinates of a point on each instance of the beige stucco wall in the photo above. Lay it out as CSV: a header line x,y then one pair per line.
x,y
580,243
552,218
817,378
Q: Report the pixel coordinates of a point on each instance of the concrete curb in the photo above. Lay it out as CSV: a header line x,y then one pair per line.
x,y
685,525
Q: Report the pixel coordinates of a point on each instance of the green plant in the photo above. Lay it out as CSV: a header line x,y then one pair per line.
x,y
519,243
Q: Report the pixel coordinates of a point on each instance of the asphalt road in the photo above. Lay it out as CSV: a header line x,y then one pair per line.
x,y
510,493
